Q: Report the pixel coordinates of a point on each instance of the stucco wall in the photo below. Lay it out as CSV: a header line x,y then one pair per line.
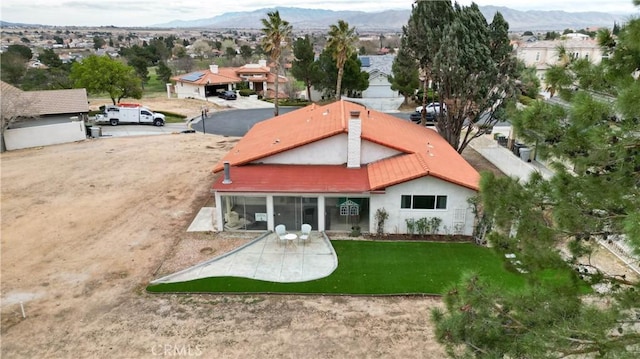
x,y
457,215
379,87
27,137
315,153
387,104
185,90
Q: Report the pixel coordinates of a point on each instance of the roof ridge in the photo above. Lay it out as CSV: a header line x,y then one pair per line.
x,y
423,162
342,122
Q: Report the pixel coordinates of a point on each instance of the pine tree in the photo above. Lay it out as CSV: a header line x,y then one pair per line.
x,y
469,62
594,196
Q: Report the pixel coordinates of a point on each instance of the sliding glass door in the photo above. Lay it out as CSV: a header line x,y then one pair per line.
x,y
295,211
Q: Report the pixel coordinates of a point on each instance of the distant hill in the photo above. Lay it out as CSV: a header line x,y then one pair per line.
x,y
395,19
301,19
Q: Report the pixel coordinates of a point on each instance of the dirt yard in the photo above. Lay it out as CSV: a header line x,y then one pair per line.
x,y
87,225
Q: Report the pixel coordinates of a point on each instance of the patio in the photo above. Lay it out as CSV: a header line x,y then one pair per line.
x,y
267,259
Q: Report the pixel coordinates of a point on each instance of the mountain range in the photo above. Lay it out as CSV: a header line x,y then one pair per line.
x,y
302,19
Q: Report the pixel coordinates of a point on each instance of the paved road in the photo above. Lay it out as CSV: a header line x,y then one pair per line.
x,y
235,122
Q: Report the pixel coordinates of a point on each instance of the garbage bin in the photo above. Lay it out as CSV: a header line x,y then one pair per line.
x,y
96,131
516,148
525,154
502,140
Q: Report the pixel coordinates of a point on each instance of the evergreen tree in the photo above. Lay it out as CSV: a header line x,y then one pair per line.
x,y
304,68
594,196
50,58
246,52
140,65
469,62
164,72
354,79
405,78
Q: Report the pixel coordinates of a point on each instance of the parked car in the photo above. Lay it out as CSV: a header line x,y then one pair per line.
x,y
433,107
417,117
227,95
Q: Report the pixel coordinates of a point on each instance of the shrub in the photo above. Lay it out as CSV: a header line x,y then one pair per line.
x,y
246,92
434,225
525,100
355,231
411,225
422,226
380,217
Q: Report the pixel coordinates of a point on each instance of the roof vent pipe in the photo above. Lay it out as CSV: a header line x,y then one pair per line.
x,y
227,173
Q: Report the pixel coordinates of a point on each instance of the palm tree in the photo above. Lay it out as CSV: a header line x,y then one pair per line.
x,y
341,42
277,34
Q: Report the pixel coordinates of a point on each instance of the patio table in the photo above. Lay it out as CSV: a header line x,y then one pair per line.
x,y
290,237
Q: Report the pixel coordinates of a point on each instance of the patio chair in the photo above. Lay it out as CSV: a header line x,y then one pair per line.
x,y
281,231
305,231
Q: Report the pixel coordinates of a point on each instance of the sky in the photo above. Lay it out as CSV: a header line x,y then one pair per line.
x,y
124,13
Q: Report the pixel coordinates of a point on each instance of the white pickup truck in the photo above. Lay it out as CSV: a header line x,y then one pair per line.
x,y
129,113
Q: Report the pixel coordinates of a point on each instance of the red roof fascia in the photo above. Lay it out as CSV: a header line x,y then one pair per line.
x,y
295,179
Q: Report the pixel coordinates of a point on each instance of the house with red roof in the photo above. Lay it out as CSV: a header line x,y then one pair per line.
x,y
335,166
208,83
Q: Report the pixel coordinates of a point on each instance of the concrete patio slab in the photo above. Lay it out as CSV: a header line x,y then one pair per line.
x,y
265,258
203,221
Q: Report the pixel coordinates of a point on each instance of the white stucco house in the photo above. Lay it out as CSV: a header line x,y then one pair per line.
x,y
41,118
335,166
207,83
544,54
379,95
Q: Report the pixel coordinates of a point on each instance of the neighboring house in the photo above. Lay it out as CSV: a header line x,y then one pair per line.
x,y
208,83
544,54
335,166
43,117
379,95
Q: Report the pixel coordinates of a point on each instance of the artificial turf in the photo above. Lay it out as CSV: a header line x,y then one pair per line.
x,y
376,268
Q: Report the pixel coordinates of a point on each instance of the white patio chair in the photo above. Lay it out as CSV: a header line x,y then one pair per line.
x,y
281,232
305,231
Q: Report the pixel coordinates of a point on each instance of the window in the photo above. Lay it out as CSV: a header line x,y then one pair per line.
x,y
423,202
405,202
441,202
537,56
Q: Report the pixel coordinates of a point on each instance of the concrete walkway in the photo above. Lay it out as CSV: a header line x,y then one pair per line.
x,y
266,258
504,159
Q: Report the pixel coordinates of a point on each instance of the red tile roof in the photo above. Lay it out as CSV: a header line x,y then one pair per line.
x,y
227,75
298,178
423,151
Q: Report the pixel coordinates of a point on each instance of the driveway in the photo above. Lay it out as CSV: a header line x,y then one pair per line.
x,y
235,122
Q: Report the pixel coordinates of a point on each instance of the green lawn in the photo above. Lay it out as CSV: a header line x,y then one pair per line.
x,y
376,268
154,84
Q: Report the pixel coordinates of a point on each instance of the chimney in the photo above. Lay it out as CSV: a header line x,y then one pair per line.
x,y
353,144
213,69
262,63
227,174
